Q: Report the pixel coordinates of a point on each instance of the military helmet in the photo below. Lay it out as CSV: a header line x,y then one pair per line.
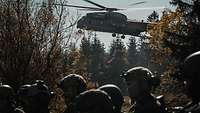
x,y
115,93
37,91
23,90
93,101
141,73
22,94
6,92
39,87
73,80
191,66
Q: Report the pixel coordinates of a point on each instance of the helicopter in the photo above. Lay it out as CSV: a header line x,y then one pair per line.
x,y
109,20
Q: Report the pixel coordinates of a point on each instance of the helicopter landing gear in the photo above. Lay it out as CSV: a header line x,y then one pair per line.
x,y
114,35
117,35
123,36
80,31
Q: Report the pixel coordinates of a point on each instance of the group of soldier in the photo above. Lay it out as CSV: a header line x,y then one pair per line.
x,y
35,98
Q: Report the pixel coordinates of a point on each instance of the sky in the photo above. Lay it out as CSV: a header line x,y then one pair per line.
x,y
137,12
140,11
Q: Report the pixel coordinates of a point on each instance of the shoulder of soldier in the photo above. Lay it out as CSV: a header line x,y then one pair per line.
x,y
192,108
18,110
160,97
161,102
177,109
189,108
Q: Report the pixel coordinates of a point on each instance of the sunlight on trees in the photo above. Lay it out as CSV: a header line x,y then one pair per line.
x,y
32,40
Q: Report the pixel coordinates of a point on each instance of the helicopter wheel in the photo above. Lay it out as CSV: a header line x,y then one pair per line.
x,y
114,35
80,31
123,36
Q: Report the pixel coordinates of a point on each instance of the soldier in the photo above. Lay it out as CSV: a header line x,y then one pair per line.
x,y
35,98
116,96
191,77
22,95
7,100
72,85
140,81
93,101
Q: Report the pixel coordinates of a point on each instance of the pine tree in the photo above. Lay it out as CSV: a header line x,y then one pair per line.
x,y
132,53
117,63
143,54
153,17
118,57
85,52
92,57
97,58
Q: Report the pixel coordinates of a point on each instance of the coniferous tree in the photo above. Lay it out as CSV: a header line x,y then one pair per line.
x,y
117,63
144,52
92,57
85,52
153,17
97,58
132,53
118,59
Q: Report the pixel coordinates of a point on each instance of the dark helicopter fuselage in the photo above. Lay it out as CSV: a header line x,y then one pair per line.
x,y
112,22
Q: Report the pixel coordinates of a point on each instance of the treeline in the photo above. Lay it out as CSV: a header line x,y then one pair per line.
x,y
106,66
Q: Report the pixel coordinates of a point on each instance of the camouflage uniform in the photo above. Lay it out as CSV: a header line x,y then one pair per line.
x,y
116,96
7,101
140,81
93,101
35,98
191,77
71,85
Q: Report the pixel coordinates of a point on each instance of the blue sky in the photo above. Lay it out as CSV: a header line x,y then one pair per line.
x,y
137,12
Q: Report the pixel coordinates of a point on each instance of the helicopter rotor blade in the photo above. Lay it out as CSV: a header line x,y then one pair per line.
x,y
137,3
84,7
101,6
90,9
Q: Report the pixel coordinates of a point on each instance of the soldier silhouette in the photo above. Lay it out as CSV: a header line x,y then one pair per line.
x,y
140,81
116,96
72,85
7,100
93,101
191,77
35,98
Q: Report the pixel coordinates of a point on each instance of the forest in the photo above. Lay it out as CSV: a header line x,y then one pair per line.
x,y
40,42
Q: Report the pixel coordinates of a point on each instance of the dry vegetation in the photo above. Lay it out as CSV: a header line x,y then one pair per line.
x,y
33,40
